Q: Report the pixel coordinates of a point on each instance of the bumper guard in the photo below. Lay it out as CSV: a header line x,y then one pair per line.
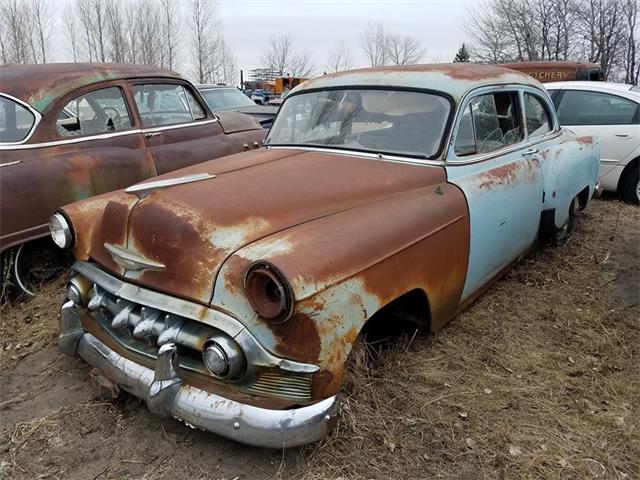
x,y
167,396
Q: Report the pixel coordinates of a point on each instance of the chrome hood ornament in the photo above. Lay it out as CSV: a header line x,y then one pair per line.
x,y
141,190
130,260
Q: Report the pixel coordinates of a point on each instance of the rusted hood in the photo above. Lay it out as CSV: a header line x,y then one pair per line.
x,y
192,229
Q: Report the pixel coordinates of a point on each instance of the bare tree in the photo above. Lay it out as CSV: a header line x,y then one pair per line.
x,y
404,50
149,32
116,31
631,55
279,53
301,65
130,13
283,59
375,44
340,57
203,22
170,33
71,34
14,17
603,28
93,19
41,16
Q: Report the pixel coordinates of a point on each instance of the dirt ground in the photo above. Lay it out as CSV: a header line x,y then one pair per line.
x,y
539,379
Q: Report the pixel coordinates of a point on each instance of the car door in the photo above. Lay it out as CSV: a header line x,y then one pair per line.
x,y
612,118
501,178
95,146
179,129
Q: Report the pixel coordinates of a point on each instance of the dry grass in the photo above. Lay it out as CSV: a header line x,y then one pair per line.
x,y
30,325
539,379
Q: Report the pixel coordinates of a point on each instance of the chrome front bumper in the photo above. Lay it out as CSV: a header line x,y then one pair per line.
x,y
166,395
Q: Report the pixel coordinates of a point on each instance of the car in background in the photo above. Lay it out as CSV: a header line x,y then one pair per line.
x,y
553,71
72,131
230,99
610,111
231,294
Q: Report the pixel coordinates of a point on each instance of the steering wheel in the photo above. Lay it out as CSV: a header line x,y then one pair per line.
x,y
488,137
116,118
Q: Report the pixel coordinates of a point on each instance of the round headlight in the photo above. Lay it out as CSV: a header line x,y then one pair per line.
x,y
60,230
268,292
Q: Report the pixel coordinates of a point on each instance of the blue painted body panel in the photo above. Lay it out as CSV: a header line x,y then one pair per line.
x,y
507,193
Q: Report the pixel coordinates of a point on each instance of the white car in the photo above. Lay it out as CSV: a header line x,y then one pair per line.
x,y
610,111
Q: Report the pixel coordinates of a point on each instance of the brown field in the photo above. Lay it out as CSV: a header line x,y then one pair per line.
x,y
539,379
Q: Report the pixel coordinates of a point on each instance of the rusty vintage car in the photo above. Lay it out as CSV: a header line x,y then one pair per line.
x,y
229,294
71,131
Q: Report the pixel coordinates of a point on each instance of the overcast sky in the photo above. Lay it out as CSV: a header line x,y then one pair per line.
x,y
316,25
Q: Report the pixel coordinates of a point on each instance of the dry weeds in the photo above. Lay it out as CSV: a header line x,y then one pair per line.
x,y
539,379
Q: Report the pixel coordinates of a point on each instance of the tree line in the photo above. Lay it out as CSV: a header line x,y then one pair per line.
x,y
188,35
150,32
605,32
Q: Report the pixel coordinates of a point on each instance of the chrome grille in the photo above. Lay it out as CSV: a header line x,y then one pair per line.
x,y
292,387
143,329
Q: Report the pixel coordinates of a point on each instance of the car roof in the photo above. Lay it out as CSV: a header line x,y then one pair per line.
x,y
39,85
597,86
456,79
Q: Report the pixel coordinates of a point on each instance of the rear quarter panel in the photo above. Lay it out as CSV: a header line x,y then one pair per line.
x,y
570,165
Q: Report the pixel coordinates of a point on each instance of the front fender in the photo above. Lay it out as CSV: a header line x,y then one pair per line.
x,y
344,267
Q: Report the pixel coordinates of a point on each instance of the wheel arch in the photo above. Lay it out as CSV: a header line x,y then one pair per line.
x,y
627,171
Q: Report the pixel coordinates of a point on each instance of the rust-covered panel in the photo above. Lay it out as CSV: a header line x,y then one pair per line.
x,y
193,228
343,268
39,85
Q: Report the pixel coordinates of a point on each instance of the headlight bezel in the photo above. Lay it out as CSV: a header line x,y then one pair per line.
x,y
268,291
61,231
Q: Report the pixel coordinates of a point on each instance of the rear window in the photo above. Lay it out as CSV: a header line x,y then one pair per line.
x,y
226,98
16,121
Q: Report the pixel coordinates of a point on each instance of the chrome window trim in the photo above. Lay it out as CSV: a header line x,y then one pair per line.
x,y
204,121
36,121
102,136
353,153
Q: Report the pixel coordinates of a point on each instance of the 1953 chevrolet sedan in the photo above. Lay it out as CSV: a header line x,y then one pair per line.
x,y
229,294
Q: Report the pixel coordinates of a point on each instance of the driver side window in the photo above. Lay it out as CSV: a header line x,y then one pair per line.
x,y
490,122
95,112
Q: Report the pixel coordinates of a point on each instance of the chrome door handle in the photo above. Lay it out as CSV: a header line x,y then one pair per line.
x,y
152,134
531,151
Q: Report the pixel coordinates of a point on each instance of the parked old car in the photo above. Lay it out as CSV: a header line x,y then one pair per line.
x,y
71,131
230,99
403,189
554,71
610,111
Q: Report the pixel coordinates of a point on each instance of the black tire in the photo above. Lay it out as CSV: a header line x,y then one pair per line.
x,y
562,234
26,267
630,187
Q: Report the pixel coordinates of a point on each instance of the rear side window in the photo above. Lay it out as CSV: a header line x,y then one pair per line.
x,y
538,118
490,122
595,108
166,104
16,121
93,113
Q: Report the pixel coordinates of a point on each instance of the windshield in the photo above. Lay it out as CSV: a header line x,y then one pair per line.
x,y
381,121
226,98
15,121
